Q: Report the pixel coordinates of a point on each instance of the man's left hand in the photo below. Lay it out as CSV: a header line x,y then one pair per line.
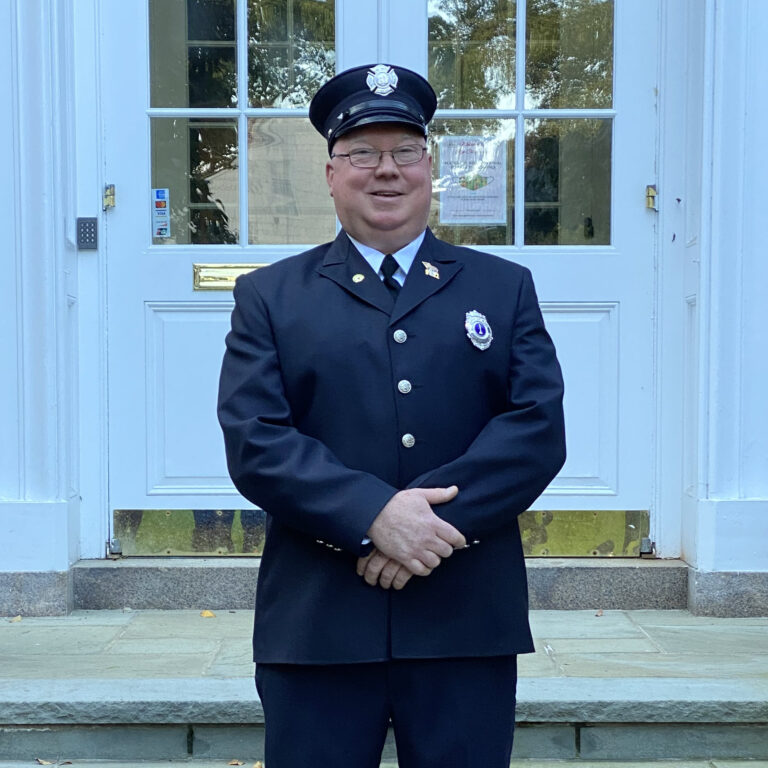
x,y
378,568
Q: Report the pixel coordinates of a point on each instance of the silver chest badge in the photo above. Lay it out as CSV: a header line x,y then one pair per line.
x,y
382,80
478,330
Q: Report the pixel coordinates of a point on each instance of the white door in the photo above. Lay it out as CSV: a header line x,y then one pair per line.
x,y
215,166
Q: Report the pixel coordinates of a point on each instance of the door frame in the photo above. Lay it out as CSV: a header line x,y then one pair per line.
x,y
92,64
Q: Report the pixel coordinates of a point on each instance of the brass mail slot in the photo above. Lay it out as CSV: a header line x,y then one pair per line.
x,y
219,277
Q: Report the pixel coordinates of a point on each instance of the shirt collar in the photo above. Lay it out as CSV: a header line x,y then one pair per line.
x,y
404,257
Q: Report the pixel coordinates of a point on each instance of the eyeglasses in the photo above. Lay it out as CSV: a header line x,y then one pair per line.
x,y
370,158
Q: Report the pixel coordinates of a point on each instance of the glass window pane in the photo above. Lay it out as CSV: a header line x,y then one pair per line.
x,y
192,53
472,53
473,181
212,78
288,200
291,51
569,54
568,182
195,160
210,19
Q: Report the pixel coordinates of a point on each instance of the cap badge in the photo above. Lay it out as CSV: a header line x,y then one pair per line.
x,y
382,80
430,270
358,278
478,330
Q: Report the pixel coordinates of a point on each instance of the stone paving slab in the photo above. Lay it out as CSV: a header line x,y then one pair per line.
x,y
117,667
221,763
682,618
707,640
584,625
702,741
650,665
107,742
553,646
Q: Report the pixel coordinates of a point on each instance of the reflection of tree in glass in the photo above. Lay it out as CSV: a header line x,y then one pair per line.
x,y
212,151
472,53
212,76
570,54
211,69
210,19
291,50
567,182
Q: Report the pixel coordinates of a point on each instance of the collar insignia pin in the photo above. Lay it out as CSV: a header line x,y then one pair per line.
x,y
478,329
430,270
358,278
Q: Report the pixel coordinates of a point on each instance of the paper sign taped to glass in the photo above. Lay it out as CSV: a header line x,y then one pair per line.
x,y
473,180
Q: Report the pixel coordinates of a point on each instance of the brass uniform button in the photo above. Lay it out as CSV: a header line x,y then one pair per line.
x,y
408,440
404,386
400,336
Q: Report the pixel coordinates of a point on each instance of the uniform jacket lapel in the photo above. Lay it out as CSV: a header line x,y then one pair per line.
x,y
419,285
342,262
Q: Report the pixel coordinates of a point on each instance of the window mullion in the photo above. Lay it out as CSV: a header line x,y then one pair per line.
x,y
242,121
519,175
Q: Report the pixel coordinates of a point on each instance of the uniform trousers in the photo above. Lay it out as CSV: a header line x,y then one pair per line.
x,y
444,712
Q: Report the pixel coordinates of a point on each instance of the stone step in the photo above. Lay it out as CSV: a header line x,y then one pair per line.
x,y
178,685
214,763
217,718
230,583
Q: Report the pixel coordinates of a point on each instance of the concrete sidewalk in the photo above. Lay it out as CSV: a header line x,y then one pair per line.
x,y
171,685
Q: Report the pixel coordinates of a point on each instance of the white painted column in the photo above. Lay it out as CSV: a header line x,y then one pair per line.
x,y
38,500
731,513
355,33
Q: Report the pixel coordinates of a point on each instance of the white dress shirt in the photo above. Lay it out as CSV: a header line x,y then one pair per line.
x,y
404,257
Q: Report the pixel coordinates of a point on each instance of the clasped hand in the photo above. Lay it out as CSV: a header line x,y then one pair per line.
x,y
409,538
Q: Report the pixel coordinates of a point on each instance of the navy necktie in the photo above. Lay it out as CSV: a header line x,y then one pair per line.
x,y
388,269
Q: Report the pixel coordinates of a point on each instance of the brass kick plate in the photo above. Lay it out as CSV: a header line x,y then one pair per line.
x,y
224,532
584,533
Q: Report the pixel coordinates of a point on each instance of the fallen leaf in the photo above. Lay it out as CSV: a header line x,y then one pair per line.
x,y
15,618
40,761
599,612
212,615
258,764
234,762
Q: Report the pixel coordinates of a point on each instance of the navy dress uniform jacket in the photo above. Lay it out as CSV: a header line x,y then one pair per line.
x,y
313,422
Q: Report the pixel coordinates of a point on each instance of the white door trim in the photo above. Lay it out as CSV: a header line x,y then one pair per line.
x,y
92,77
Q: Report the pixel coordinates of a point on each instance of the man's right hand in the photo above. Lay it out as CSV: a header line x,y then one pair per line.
x,y
407,530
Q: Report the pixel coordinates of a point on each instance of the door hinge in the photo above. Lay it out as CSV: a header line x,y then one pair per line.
x,y
651,193
108,198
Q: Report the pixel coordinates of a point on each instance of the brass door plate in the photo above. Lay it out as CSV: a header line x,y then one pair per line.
x,y
219,277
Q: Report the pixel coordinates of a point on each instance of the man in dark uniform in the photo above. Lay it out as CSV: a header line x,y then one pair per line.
x,y
392,402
